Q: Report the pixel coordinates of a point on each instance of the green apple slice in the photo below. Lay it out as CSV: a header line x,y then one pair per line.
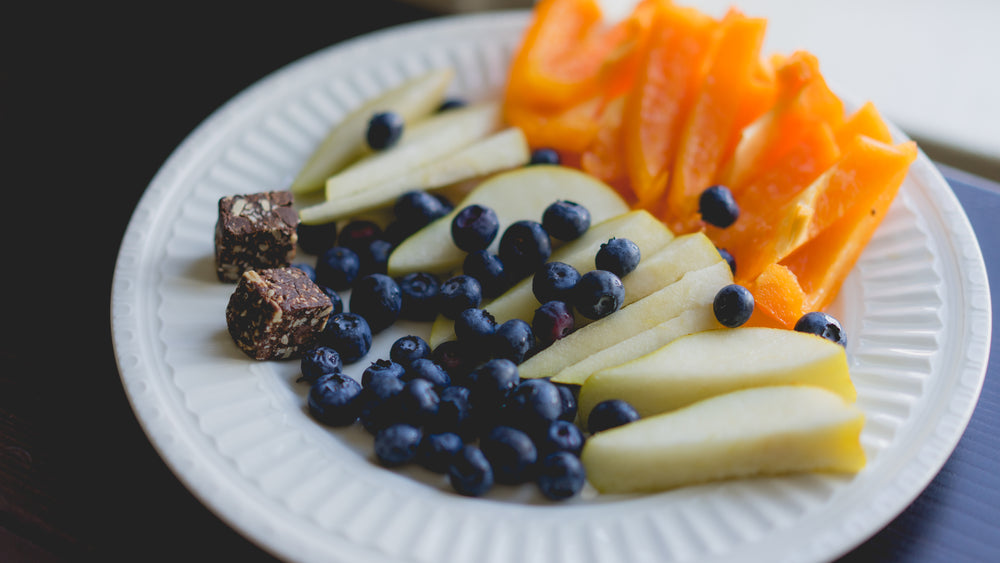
x,y
518,302
714,362
696,289
762,431
518,194
498,152
424,142
413,99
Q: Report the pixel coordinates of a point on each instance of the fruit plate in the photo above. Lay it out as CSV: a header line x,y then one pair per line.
x,y
238,435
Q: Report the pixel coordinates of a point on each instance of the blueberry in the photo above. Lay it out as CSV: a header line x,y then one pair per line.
x,y
552,321
824,325
561,475
470,473
475,328
451,103
569,401
308,269
445,203
397,231
335,300
319,361
348,334
417,209
609,414
458,294
454,358
374,257
620,256
455,411
598,294
474,227
384,130
554,281
333,400
420,291
512,454
316,239
532,406
544,156
491,382
406,349
379,401
418,402
381,366
566,220
425,368
488,269
337,268
717,206
561,436
513,340
377,298
733,305
358,233
397,445
436,451
728,257
524,247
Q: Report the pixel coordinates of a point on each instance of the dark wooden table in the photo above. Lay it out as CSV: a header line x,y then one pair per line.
x,y
92,101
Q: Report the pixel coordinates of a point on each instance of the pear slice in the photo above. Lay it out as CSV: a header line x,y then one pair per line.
x,y
642,228
696,289
761,431
500,151
523,193
345,142
714,362
426,141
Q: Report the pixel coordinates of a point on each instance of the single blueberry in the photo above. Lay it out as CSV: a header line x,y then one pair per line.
x,y
307,268
717,206
620,256
420,291
379,401
348,334
470,473
561,475
524,247
417,209
733,305
568,394
455,411
824,325
566,220
384,130
319,361
381,366
397,231
475,328
491,381
358,233
405,349
512,454
488,269
474,227
544,156
316,239
513,340
333,400
425,368
554,281
377,298
374,257
532,406
458,294
598,294
552,321
397,445
728,257
337,268
418,402
454,358
561,436
609,414
436,451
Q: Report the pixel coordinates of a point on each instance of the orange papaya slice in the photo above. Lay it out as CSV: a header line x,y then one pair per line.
x,y
779,300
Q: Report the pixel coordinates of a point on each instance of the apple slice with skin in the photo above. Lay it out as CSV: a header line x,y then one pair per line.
x,y
714,362
775,430
345,142
433,138
696,289
518,302
514,195
500,151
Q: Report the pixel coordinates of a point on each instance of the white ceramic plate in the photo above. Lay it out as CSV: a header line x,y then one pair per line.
x,y
236,432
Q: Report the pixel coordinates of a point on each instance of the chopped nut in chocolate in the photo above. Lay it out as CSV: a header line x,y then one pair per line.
x,y
254,232
276,313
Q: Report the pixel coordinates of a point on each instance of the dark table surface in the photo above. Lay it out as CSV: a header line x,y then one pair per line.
x,y
92,100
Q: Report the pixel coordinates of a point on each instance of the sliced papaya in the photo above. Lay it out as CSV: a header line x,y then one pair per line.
x,y
866,121
779,299
604,158
569,130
